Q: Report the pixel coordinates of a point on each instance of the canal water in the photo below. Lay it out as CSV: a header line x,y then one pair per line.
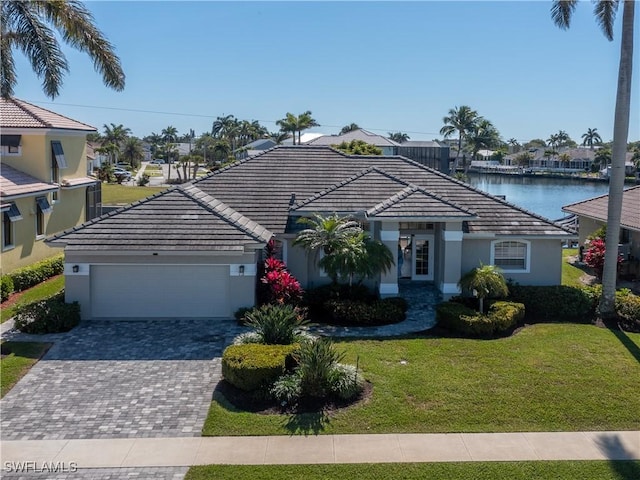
x,y
544,196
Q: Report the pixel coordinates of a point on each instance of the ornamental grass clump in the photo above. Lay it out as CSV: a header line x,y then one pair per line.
x,y
276,324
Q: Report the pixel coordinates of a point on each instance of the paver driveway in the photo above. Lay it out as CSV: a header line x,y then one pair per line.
x,y
120,379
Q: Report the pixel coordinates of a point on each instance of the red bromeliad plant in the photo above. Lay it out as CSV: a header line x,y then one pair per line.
x,y
283,287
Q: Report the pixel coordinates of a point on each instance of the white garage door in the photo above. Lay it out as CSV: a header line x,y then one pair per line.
x,y
159,291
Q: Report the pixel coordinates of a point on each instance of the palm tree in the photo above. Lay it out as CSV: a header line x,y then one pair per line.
x,y
591,137
565,159
514,144
461,121
349,128
485,281
295,124
305,121
483,135
553,141
132,151
30,26
169,137
398,137
563,138
605,12
278,137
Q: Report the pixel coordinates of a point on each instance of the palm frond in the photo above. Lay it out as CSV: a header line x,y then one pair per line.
x,y
605,12
561,12
8,76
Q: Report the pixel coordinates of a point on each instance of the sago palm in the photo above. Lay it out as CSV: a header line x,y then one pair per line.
x,y
30,26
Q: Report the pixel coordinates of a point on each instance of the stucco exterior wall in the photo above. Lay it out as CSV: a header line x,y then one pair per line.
x,y
545,264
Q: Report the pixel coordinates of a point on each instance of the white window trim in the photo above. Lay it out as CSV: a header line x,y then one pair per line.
x,y
527,268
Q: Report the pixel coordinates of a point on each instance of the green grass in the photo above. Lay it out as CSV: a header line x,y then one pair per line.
x,y
547,377
571,274
114,194
21,357
39,292
557,470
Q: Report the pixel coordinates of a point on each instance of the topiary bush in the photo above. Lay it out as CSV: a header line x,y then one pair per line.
x,y
7,287
253,366
51,315
32,275
557,302
628,310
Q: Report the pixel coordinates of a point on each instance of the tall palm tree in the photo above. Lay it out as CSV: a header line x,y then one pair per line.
x,y
399,137
349,128
305,121
169,137
132,151
296,124
514,144
483,135
461,121
278,137
30,27
115,136
553,141
563,138
605,12
591,138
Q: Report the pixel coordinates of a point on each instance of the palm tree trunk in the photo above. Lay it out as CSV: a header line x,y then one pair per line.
x,y
616,179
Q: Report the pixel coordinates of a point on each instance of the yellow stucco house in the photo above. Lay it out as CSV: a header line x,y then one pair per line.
x,y
43,184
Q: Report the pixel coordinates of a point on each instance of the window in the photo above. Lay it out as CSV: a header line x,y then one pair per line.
x,y
42,207
10,144
415,226
511,256
57,162
9,216
93,207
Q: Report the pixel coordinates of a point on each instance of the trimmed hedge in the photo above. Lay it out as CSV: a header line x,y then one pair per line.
x,y
316,298
51,315
558,302
351,312
7,287
32,275
251,366
461,319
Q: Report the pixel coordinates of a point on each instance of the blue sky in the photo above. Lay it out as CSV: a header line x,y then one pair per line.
x,y
387,66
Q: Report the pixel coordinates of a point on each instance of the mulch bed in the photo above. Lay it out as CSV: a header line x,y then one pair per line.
x,y
254,403
15,296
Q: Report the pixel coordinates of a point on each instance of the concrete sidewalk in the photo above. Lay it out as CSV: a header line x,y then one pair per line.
x,y
393,448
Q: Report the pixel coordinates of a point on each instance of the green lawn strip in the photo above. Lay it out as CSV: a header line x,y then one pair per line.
x,y
547,377
153,173
20,358
570,273
39,292
540,470
113,194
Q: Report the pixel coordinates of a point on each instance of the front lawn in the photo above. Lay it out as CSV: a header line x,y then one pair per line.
x,y
114,194
17,359
548,377
559,470
570,273
41,291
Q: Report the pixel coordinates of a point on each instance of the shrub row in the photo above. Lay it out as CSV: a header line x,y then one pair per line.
x,y
51,315
6,287
251,366
316,298
351,312
32,275
461,319
558,302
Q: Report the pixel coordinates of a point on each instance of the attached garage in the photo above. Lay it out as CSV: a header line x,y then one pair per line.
x,y
157,291
178,254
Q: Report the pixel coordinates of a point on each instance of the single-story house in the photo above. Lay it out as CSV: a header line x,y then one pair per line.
x,y
592,215
193,250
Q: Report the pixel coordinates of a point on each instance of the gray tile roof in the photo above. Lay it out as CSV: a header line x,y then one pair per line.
x,y
415,202
360,134
179,219
262,188
14,183
15,113
597,208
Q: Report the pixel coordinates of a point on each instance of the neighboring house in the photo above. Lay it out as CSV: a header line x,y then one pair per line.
x,y
581,159
44,187
592,215
193,250
255,147
388,147
431,154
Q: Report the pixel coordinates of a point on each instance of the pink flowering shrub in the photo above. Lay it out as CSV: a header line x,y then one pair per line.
x,y
594,256
281,285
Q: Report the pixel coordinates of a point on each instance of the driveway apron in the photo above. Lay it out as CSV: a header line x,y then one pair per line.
x,y
119,379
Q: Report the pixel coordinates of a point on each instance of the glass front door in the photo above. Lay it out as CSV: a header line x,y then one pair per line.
x,y
422,257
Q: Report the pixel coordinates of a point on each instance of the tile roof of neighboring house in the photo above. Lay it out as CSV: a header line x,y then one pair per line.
x,y
261,188
360,134
415,202
179,219
16,113
14,183
422,143
596,208
261,144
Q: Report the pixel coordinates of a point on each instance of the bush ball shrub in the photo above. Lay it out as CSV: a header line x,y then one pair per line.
x,y
252,366
51,315
7,287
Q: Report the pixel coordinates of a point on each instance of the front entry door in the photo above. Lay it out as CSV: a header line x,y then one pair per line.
x,y
422,257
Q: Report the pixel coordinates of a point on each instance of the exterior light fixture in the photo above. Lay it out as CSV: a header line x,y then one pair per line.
x,y
241,269
76,268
